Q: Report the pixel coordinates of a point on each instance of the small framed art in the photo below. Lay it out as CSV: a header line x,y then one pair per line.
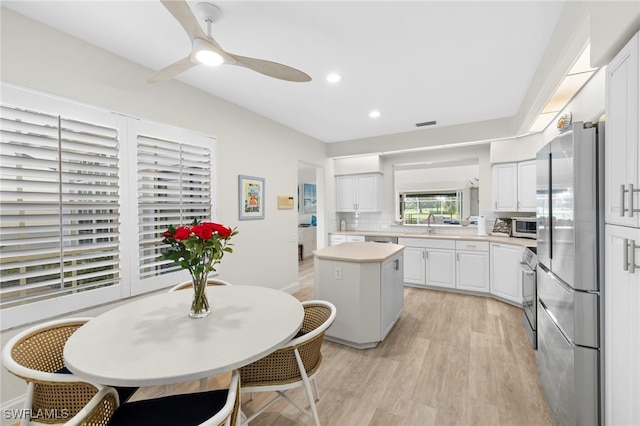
x,y
251,197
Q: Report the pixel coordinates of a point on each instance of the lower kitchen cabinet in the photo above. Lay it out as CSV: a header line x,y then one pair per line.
x,y
441,268
472,270
335,239
472,266
429,262
622,325
415,265
506,279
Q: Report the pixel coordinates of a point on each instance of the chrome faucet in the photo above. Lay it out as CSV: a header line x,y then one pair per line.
x,y
429,230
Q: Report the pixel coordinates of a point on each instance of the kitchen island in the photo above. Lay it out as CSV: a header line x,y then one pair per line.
x,y
365,282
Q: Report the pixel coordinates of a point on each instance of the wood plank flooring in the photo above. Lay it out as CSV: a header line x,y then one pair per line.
x,y
450,359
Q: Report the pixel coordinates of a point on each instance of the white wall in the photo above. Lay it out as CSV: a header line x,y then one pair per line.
x,y
479,152
265,251
38,57
516,149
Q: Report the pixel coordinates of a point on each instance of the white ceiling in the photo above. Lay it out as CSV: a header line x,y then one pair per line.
x,y
415,61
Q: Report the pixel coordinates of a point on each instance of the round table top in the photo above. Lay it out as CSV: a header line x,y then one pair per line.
x,y
152,341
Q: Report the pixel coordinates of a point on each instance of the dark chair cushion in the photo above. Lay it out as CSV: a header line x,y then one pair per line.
x,y
123,393
184,410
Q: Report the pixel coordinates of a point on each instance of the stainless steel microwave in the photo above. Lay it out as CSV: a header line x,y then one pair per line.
x,y
524,227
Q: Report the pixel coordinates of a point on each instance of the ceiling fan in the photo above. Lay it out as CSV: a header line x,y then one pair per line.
x,y
205,50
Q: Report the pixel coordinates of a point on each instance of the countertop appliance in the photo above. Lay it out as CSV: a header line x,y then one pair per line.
x,y
524,227
528,266
570,231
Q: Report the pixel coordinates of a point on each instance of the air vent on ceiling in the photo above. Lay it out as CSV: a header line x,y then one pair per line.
x,y
426,123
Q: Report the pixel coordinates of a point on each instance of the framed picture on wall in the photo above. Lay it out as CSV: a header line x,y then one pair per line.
x,y
251,197
309,198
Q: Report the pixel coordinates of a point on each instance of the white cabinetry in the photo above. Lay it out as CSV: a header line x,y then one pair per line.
x,y
335,239
506,280
472,266
392,294
527,186
360,193
368,295
514,186
622,325
505,187
622,252
622,154
429,262
415,265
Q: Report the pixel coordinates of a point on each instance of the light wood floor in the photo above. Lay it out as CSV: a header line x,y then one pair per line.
x,y
450,359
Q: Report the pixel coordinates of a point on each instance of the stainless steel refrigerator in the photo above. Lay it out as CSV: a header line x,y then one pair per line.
x,y
569,239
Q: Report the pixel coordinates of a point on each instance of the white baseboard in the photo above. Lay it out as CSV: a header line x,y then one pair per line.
x,y
6,407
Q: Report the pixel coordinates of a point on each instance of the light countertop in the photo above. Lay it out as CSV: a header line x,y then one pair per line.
x,y
525,242
368,252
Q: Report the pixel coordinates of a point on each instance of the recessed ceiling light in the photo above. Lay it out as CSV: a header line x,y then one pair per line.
x,y
374,114
334,78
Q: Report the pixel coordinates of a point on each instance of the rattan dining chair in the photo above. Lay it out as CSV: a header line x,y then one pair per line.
x,y
294,365
54,394
217,407
186,285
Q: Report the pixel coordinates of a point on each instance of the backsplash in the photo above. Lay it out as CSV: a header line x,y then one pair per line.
x,y
384,222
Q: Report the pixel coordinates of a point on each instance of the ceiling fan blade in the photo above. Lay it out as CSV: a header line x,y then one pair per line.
x,y
172,70
183,14
272,69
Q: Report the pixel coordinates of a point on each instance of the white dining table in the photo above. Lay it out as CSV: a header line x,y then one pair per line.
x,y
152,341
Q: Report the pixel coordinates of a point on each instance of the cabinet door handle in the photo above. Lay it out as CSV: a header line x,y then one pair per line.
x,y
396,264
426,254
625,254
622,208
457,257
495,204
631,209
629,255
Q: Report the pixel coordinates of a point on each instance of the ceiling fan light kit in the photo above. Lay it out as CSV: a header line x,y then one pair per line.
x,y
205,50
205,55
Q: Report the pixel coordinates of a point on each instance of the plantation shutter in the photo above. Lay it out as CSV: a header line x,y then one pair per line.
x,y
60,211
174,188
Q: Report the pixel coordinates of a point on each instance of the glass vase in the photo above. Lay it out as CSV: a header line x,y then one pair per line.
x,y
200,304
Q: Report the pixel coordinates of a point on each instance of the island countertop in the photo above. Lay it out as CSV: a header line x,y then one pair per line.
x,y
368,252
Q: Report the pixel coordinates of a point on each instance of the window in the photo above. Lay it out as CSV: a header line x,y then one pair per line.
x,y
85,195
60,209
174,187
415,207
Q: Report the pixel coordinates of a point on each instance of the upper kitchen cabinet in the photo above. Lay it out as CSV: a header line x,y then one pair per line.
x,y
362,193
622,155
514,186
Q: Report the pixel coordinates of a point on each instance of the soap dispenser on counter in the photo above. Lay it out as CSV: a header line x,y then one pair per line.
x,y
343,225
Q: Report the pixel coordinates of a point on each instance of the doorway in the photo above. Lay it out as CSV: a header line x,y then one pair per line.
x,y
311,216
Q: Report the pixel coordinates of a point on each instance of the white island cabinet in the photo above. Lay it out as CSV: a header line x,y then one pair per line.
x,y
364,282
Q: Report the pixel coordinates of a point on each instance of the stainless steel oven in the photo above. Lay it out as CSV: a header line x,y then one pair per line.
x,y
528,266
